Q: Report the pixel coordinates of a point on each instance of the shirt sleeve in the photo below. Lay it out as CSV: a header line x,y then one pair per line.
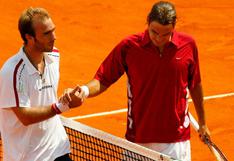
x,y
194,69
114,66
13,89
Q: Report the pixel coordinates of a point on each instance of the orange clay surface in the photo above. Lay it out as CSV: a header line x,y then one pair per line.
x,y
87,31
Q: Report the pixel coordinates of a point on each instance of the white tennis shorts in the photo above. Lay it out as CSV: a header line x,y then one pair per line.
x,y
179,150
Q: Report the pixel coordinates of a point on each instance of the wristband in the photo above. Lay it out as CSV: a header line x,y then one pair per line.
x,y
86,90
59,107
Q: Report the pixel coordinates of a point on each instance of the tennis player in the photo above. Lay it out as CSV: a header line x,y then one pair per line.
x,y
30,128
162,67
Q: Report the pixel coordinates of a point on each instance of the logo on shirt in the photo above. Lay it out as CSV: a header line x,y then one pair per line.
x,y
21,80
178,58
45,87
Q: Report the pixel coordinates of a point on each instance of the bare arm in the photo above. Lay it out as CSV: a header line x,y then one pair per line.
x,y
76,98
33,114
95,88
91,89
37,114
197,97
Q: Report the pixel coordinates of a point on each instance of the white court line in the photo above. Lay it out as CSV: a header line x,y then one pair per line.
x,y
125,109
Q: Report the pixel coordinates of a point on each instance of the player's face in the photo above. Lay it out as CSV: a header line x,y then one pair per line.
x,y
160,34
44,35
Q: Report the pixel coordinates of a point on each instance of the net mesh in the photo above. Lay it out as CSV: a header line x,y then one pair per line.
x,y
91,144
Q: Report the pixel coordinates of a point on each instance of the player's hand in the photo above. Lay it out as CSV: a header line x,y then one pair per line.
x,y
76,97
72,97
204,133
65,98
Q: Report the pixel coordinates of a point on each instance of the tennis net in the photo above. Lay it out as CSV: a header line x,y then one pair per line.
x,y
90,144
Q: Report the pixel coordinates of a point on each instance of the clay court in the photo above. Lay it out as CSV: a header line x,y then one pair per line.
x,y
88,30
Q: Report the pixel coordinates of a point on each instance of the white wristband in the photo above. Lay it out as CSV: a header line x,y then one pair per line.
x,y
59,107
62,107
86,90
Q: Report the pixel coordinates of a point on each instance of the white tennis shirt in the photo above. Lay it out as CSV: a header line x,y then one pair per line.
x,y
22,86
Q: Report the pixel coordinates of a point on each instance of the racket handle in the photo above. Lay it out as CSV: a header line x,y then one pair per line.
x,y
193,122
196,127
213,148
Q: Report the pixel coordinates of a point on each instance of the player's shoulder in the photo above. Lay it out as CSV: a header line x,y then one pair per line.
x,y
11,65
132,40
135,37
183,39
12,62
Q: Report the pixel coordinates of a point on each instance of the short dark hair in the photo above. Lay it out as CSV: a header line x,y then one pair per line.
x,y
25,23
163,12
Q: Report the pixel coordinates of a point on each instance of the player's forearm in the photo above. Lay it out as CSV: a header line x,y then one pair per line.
x,y
95,87
197,97
33,115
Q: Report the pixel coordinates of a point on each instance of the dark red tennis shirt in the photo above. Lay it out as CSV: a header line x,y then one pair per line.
x,y
158,85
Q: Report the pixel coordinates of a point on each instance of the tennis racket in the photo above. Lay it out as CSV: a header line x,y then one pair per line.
x,y
213,148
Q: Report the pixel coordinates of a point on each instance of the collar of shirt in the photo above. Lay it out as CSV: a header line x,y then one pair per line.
x,y
31,69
